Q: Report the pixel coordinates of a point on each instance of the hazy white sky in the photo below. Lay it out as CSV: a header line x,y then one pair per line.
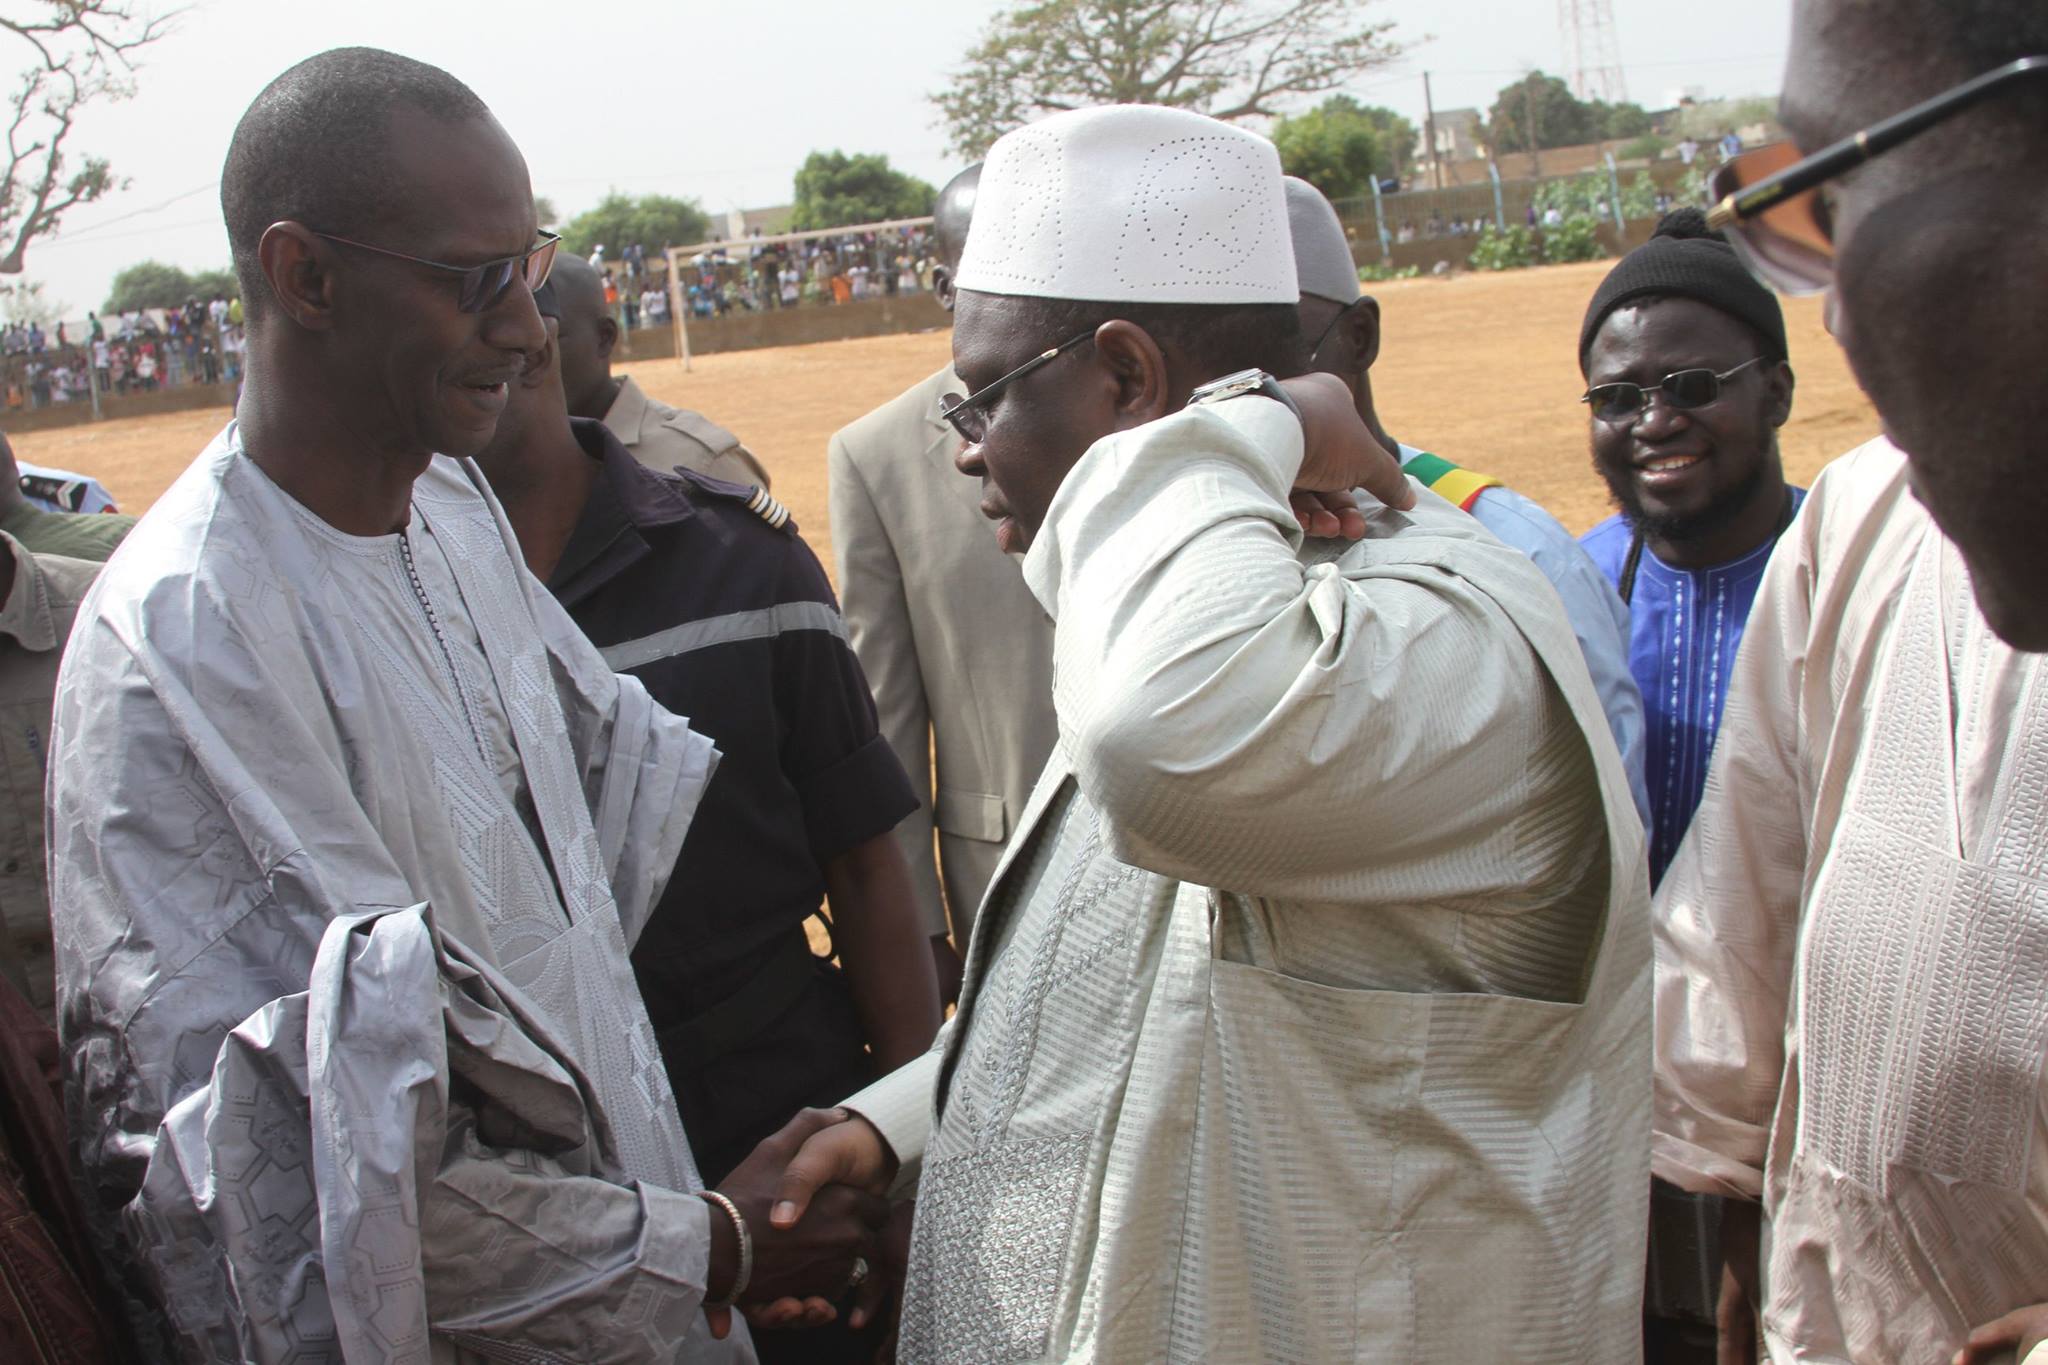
x,y
722,102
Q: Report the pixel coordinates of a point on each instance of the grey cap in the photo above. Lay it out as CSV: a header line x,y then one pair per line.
x,y
1322,256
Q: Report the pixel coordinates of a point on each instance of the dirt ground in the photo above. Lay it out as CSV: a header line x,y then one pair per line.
x,y
1481,369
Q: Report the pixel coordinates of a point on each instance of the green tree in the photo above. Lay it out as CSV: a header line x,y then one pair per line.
x,y
653,220
208,285
1577,238
1509,250
82,51
837,190
1340,146
149,284
1622,121
1232,59
1539,111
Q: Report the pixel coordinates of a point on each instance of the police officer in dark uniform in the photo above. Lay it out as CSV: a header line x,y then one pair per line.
x,y
703,591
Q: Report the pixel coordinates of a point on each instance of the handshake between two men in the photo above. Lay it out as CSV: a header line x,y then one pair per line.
x,y
812,1230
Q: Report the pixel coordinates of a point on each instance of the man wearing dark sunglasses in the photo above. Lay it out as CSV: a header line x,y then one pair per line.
x,y
351,825
1684,357
1850,1028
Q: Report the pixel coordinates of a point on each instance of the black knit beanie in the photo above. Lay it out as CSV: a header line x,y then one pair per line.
x,y
1683,259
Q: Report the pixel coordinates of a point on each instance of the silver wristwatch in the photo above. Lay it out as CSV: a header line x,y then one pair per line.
x,y
1241,383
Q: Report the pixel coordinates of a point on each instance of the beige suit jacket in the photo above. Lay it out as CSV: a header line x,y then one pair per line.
x,y
665,438
957,650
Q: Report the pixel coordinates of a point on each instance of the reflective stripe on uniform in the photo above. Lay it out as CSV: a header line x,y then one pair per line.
x,y
724,630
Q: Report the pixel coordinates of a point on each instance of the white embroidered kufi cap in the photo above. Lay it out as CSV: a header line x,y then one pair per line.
x,y
1131,203
1322,254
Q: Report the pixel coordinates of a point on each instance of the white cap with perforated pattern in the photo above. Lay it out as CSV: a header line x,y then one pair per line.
x,y
1131,203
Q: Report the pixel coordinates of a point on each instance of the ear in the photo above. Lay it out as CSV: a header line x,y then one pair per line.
x,y
1136,365
1363,323
942,285
607,336
300,270
1778,393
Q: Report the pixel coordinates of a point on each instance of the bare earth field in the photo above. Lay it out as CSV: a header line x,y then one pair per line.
x,y
1481,369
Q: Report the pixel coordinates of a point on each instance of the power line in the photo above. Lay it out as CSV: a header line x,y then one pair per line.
x,y
47,243
95,228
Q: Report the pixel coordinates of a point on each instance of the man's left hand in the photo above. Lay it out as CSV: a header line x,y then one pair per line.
x,y
2020,1331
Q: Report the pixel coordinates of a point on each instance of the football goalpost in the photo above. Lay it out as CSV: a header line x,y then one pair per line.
x,y
739,250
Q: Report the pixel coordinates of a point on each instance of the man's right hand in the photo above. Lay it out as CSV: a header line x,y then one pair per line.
x,y
850,1153
806,1256
1339,452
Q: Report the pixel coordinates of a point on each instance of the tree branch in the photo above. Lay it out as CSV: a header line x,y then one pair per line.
x,y
85,50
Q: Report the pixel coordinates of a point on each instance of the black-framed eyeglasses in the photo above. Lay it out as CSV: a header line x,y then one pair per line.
x,y
482,285
1682,389
969,415
1769,203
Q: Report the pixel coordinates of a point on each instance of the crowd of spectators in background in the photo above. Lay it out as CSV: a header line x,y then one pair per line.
x,y
136,351
768,274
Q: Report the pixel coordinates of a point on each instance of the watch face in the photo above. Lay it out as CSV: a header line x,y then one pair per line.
x,y
1229,386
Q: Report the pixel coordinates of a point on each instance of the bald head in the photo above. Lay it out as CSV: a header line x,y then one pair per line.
x,y
585,335
951,217
287,163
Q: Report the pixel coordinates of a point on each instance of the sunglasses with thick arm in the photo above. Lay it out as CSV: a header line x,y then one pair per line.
x,y
1768,200
482,285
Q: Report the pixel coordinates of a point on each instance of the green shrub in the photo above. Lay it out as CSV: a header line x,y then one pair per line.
x,y
1648,147
1575,239
1510,250
1380,270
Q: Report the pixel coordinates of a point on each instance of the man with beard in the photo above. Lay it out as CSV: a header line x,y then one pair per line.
x,y
1684,357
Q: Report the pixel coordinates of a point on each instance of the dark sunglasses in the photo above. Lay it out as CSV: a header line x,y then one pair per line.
x,y
482,285
1768,200
969,415
1683,390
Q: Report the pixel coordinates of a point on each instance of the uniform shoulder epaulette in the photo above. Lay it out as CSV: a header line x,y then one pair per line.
x,y
1458,486
757,500
715,439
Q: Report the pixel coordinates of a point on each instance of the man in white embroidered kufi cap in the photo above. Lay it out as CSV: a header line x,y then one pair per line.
x,y
1306,1018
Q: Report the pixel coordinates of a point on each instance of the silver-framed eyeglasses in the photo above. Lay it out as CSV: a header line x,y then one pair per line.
x,y
1681,389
